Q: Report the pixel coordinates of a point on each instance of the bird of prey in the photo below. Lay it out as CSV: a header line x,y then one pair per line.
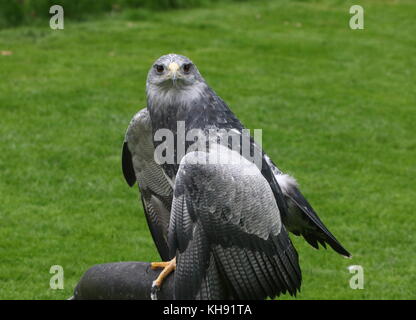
x,y
227,231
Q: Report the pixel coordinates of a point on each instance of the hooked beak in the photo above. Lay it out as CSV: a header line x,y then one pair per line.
x,y
173,70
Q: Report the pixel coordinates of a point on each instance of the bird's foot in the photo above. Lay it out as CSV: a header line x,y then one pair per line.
x,y
154,290
168,268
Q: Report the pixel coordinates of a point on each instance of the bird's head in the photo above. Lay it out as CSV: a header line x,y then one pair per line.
x,y
173,71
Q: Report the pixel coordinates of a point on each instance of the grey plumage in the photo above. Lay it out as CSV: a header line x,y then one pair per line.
x,y
227,229
156,192
228,235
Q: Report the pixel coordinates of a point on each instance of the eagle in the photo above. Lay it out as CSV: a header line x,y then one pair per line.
x,y
221,225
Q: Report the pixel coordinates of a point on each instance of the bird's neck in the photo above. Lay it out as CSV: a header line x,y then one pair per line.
x,y
168,105
176,116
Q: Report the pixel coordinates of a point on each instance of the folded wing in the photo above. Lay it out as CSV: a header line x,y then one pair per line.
x,y
226,231
156,192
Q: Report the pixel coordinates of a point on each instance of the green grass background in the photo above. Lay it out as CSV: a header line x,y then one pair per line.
x,y
337,109
28,12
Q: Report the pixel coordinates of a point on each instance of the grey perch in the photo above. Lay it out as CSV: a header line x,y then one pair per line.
x,y
121,281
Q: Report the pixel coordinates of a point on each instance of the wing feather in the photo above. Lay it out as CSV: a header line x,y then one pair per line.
x,y
156,192
223,219
300,217
127,165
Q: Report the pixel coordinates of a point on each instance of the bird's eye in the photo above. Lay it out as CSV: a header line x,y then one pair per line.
x,y
187,67
159,68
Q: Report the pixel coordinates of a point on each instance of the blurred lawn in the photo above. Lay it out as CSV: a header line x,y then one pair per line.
x,y
336,107
18,12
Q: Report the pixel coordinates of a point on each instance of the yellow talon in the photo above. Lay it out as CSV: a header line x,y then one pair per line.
x,y
155,265
168,268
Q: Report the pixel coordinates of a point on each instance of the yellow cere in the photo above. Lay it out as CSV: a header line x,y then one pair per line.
x,y
173,67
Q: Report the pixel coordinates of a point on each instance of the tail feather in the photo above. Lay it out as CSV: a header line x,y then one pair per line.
x,y
314,231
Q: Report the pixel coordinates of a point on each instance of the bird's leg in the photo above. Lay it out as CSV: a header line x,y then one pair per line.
x,y
168,267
